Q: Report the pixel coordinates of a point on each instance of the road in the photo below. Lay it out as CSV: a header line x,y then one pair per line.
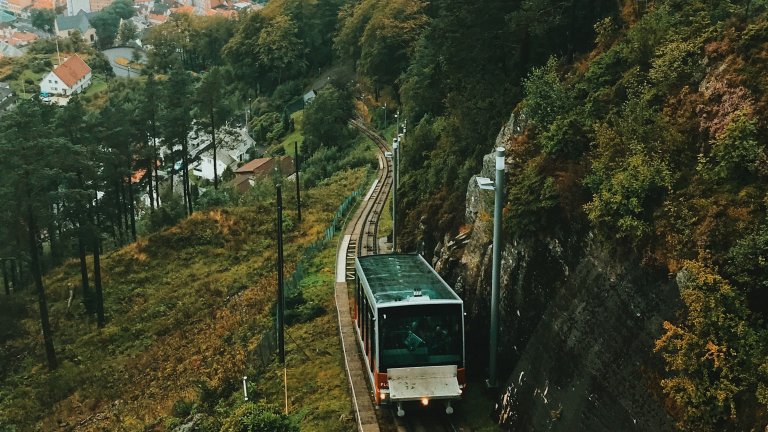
x,y
121,71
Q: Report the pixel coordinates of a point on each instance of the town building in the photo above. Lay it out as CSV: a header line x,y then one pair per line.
x,y
21,39
17,7
7,98
65,25
75,6
257,169
8,50
69,78
97,5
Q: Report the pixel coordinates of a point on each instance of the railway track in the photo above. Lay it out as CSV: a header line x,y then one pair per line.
x,y
361,237
366,226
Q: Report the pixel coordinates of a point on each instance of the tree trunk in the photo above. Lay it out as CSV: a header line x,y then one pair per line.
x,y
118,213
124,201
156,158
97,281
185,175
5,278
132,208
87,295
213,144
54,242
14,276
150,171
50,353
97,264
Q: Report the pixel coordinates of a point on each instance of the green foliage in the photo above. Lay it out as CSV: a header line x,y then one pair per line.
x,y
533,201
546,96
624,201
182,408
212,198
266,50
327,161
107,22
717,361
251,417
747,262
127,32
268,127
43,19
325,120
550,104
169,214
675,64
735,153
300,310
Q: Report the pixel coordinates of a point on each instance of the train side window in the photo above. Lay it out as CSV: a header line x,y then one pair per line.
x,y
357,299
373,343
364,323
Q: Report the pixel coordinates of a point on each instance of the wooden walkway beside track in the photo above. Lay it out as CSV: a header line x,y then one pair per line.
x,y
360,238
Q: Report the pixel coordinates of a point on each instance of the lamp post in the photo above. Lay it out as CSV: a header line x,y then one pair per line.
x,y
399,144
280,294
385,114
397,125
395,156
486,184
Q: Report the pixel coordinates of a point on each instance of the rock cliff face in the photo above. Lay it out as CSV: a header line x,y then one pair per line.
x,y
577,325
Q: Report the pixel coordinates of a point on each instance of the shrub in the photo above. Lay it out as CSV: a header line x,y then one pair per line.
x,y
250,417
734,153
182,408
716,360
215,198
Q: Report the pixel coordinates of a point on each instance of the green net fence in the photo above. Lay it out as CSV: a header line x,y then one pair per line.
x,y
264,352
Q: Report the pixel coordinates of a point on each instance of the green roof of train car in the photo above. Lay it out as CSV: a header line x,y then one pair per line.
x,y
403,277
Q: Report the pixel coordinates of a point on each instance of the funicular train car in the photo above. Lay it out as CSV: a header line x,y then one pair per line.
x,y
410,325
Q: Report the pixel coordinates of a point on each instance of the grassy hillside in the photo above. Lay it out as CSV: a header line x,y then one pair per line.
x,y
186,309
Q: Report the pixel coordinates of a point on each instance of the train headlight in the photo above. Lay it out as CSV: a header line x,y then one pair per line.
x,y
424,401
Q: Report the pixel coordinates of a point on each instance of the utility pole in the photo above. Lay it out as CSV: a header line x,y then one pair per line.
x,y
496,270
298,185
280,295
394,196
498,186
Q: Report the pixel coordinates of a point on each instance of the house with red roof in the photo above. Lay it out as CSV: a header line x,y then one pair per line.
x,y
248,174
68,78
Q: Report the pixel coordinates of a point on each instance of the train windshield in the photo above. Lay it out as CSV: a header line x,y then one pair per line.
x,y
421,335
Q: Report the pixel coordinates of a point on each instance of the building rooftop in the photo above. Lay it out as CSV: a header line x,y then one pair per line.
x,y
8,50
79,22
21,38
6,17
396,278
72,70
252,165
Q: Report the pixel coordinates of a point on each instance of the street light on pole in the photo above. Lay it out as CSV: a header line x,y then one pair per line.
x,y
395,156
487,184
399,144
385,114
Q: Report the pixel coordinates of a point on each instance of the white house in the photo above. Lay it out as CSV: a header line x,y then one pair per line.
x,y
70,77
